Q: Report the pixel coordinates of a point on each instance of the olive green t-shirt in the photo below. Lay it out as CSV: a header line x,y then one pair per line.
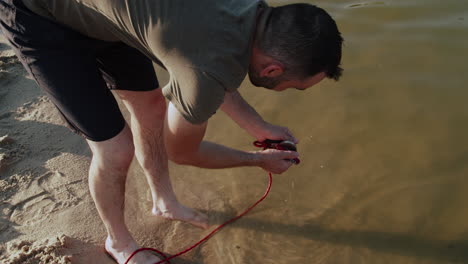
x,y
203,44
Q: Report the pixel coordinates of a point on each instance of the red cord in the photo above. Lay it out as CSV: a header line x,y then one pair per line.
x,y
166,259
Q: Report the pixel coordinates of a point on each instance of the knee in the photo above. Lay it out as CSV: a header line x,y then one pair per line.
x,y
114,154
156,104
145,105
182,158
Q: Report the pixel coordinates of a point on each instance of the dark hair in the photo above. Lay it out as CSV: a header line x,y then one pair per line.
x,y
305,39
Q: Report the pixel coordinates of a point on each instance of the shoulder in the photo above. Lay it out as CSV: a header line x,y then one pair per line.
x,y
214,36
195,93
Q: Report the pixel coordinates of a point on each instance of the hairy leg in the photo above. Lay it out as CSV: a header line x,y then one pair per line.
x,y
148,110
107,175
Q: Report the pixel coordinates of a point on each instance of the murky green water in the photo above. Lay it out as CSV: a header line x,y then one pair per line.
x,y
384,172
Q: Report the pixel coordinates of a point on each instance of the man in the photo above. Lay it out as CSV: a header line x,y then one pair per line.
x,y
77,49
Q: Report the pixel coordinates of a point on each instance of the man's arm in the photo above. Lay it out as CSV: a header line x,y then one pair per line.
x,y
185,145
247,118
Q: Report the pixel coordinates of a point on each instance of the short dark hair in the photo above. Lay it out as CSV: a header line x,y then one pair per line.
x,y
304,38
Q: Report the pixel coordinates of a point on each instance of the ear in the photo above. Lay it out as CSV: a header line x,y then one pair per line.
x,y
271,70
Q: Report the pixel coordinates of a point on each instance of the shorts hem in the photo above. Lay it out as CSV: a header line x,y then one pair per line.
x,y
114,88
102,138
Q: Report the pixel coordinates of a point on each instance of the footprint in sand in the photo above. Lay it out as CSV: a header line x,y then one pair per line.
x,y
3,46
49,193
8,69
8,153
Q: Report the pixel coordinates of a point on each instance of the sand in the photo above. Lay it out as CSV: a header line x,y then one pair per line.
x,y
43,168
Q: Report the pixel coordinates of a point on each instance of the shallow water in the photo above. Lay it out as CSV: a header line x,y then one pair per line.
x,y
384,172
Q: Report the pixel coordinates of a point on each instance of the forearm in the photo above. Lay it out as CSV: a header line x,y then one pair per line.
x,y
247,118
242,113
214,156
184,144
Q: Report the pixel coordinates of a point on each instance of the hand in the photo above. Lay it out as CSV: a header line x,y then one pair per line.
x,y
276,161
270,131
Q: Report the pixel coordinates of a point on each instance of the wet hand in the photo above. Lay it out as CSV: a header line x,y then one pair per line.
x,y
276,161
274,132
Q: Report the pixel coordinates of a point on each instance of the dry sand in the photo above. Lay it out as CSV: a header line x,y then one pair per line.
x,y
46,212
43,184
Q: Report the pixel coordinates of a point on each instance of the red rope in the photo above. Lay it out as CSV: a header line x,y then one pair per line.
x,y
166,259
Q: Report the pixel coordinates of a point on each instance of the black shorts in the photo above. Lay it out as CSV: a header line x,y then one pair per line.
x,y
76,72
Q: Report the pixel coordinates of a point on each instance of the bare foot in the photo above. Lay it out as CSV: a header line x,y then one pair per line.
x,y
121,254
182,213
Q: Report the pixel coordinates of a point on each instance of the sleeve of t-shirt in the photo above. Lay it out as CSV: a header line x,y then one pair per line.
x,y
195,94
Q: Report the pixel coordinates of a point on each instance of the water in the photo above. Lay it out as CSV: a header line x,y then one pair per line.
x,y
384,172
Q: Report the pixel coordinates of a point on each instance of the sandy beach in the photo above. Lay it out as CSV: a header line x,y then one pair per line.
x,y
43,183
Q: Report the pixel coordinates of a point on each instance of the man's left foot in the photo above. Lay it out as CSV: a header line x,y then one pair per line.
x,y
182,213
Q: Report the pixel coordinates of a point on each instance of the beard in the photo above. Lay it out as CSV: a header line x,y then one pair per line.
x,y
265,82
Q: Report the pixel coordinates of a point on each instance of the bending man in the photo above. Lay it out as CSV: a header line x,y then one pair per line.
x,y
78,50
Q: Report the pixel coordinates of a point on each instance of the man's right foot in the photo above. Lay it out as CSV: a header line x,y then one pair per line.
x,y
121,254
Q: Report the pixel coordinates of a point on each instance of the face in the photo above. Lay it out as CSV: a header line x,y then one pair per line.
x,y
300,84
282,83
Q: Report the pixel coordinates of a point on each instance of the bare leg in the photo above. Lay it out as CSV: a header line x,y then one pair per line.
x,y
107,175
148,110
